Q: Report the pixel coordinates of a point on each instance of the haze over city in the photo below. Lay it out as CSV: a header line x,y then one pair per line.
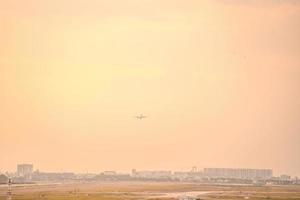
x,y
218,82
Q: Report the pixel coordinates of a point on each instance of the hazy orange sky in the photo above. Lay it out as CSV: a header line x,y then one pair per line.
x,y
219,80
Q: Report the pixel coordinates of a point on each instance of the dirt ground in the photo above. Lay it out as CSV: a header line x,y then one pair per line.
x,y
146,190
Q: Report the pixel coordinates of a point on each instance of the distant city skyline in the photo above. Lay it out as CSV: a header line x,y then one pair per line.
x,y
27,168
26,174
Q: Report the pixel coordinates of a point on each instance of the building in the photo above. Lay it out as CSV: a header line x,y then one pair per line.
x,y
109,173
188,176
25,170
238,173
50,176
285,177
151,174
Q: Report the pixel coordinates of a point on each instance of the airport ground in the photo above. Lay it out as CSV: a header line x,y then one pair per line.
x,y
147,190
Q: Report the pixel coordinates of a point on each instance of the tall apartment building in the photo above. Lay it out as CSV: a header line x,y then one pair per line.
x,y
24,169
238,173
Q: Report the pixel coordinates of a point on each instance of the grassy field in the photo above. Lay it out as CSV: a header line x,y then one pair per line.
x,y
143,190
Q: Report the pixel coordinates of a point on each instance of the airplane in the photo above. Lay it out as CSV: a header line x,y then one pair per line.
x,y
141,116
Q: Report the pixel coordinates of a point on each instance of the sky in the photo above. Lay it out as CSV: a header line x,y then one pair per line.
x,y
219,81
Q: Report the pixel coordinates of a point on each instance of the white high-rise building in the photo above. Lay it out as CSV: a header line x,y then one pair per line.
x,y
238,173
24,170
